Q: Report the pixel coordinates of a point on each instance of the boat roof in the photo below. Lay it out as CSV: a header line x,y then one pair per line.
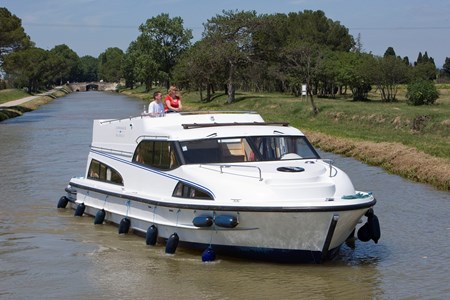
x,y
188,126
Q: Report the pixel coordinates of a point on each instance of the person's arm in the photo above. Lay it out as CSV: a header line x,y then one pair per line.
x,y
170,107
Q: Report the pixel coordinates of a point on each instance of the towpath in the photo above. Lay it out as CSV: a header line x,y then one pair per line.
x,y
29,98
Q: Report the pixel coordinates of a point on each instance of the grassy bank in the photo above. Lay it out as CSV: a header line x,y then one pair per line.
x,y
12,94
19,110
411,141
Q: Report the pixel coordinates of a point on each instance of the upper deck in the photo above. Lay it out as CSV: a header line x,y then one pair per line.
x,y
125,133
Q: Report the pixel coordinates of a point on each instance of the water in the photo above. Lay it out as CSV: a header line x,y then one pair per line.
x,y
46,253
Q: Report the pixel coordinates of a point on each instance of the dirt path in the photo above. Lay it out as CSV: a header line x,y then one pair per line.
x,y
29,98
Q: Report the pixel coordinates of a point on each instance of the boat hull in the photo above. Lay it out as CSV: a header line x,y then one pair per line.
x,y
281,234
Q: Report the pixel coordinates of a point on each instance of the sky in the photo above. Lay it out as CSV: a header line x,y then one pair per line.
x,y
89,27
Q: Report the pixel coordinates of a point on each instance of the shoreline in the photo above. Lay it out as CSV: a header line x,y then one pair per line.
x,y
16,108
394,158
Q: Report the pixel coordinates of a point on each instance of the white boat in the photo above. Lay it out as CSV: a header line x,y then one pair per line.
x,y
228,182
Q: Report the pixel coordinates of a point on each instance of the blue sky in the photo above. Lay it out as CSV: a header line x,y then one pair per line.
x,y
89,27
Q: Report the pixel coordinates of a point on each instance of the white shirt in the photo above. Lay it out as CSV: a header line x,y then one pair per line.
x,y
156,109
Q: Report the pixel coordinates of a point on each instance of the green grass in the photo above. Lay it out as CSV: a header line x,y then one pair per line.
x,y
426,128
12,94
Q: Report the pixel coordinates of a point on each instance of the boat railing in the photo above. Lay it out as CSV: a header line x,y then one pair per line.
x,y
330,164
199,112
241,166
153,137
115,120
112,151
200,125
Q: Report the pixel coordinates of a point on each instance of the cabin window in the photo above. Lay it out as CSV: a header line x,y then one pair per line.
x,y
102,172
246,149
183,190
156,154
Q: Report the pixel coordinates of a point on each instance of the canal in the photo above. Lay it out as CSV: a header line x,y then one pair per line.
x,y
46,253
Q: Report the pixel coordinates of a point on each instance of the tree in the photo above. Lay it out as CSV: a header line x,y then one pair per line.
x,y
424,68
28,67
446,66
422,92
231,34
68,63
300,63
166,39
12,34
89,68
389,52
390,71
199,68
110,65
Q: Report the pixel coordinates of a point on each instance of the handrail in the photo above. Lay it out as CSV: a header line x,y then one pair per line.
x,y
116,120
156,137
330,163
200,125
199,112
241,166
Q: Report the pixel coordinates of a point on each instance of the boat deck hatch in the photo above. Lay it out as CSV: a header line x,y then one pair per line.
x,y
290,169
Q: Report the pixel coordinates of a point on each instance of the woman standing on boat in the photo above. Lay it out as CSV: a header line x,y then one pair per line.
x,y
172,102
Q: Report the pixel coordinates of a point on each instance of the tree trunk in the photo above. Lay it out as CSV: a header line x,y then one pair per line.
x,y
230,86
208,92
315,109
200,89
148,85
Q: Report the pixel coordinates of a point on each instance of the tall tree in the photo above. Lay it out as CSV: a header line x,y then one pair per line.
x,y
231,32
68,63
89,68
12,34
28,67
300,62
446,66
199,68
110,65
166,39
389,52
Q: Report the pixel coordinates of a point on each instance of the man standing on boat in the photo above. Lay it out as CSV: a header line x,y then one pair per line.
x,y
156,107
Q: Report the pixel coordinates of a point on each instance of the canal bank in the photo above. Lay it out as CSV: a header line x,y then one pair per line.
x,y
18,107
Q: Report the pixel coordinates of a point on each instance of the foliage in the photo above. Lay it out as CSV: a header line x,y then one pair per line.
x,y
109,65
152,57
446,67
28,68
12,34
197,68
231,34
66,62
422,92
88,68
389,72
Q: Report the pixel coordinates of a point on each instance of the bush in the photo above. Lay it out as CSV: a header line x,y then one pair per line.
x,y
422,92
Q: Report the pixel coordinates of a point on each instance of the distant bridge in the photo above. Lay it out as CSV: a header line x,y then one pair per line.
x,y
93,86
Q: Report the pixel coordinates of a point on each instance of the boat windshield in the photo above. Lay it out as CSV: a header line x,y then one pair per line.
x,y
247,149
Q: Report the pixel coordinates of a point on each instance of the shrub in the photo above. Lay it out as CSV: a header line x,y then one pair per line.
x,y
422,92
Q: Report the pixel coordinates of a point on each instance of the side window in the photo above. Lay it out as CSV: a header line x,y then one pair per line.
x,y
156,154
102,172
183,190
